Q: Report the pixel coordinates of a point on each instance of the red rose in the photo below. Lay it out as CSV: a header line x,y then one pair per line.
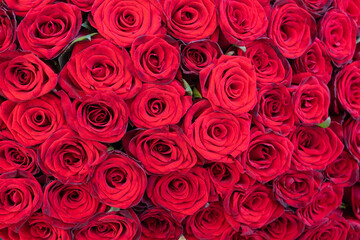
x,y
21,197
14,156
329,228
314,61
190,21
317,8
233,235
324,202
311,101
346,82
46,32
100,117
225,176
207,223
355,200
181,193
156,58
338,33
230,83
270,65
297,189
84,5
157,105
68,157
287,227
121,225
242,21
99,65
352,136
314,147
8,28
22,7
216,134
23,76
268,155
69,205
122,22
292,28
344,171
351,8
273,110
255,207
118,181
195,56
33,121
39,227
159,224
161,150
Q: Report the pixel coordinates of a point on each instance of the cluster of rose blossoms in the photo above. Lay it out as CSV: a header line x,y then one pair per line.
x,y
206,119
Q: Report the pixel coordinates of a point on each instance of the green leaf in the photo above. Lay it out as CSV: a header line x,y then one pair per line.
x,y
241,47
358,40
110,148
230,53
114,209
196,93
326,123
343,206
187,88
66,54
87,25
83,38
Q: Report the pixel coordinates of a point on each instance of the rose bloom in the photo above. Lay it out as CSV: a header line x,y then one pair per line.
x,y
156,58
314,147
338,33
324,202
230,84
207,223
311,101
99,65
347,84
69,205
190,21
32,122
21,197
46,32
8,29
123,21
332,227
68,157
297,188
159,224
14,156
292,28
242,21
268,155
23,76
287,227
315,61
352,136
118,181
255,207
181,193
270,65
100,117
197,55
216,134
121,225
161,150
159,105
274,110
22,7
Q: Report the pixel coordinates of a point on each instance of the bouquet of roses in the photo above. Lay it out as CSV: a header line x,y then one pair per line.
x,y
168,119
